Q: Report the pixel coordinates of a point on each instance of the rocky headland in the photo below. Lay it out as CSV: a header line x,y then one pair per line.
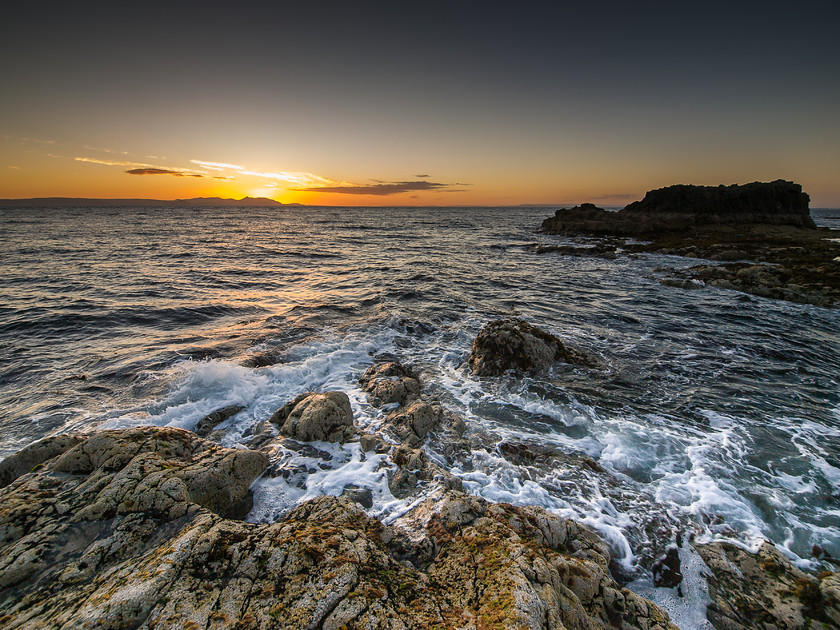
x,y
760,235
143,528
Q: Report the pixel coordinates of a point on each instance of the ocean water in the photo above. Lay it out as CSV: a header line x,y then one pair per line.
x,y
711,414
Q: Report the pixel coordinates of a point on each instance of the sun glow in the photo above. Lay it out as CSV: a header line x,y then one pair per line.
x,y
268,192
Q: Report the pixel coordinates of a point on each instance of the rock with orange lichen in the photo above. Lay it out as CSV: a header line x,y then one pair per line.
x,y
132,529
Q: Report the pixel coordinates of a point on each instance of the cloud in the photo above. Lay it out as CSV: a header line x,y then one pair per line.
x,y
138,168
111,162
392,188
218,166
296,178
160,171
103,149
298,181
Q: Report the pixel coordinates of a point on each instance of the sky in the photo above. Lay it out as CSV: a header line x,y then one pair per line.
x,y
390,103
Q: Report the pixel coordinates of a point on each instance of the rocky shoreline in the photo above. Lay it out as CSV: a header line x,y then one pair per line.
x,y
760,236
142,528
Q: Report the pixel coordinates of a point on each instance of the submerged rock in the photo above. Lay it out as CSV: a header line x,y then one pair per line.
x,y
125,530
312,416
515,344
206,425
258,360
765,590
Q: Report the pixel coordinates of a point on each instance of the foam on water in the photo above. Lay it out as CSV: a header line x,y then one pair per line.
x,y
686,604
328,472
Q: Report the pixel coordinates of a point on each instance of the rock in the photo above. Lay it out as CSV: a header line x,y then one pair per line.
x,y
763,280
312,416
667,569
520,567
684,208
34,455
373,443
260,434
362,496
766,223
765,590
258,360
514,344
114,535
413,470
209,422
388,383
598,250
414,423
678,207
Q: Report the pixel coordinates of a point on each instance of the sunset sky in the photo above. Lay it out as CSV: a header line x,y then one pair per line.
x,y
386,103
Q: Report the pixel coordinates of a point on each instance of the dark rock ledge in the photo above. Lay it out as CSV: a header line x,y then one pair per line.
x,y
762,235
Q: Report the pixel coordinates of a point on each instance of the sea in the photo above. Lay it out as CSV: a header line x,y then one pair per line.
x,y
708,414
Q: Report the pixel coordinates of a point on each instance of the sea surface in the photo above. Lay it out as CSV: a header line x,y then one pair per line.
x,y
711,413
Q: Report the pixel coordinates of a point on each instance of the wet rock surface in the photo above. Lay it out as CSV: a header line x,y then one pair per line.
x,y
389,383
764,229
125,529
313,416
513,344
766,591
206,425
808,282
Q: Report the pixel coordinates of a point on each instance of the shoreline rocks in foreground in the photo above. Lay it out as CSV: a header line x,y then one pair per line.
x,y
140,528
761,235
126,529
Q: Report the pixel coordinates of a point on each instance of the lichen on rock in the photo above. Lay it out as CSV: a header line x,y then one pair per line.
x,y
390,382
314,416
121,531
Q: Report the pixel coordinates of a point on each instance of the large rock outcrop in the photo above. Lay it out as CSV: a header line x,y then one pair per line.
x,y
513,344
126,529
763,232
684,208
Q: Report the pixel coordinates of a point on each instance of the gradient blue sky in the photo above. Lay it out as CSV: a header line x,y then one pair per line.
x,y
429,103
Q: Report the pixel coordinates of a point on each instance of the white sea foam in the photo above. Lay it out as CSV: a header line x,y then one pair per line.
x,y
346,465
687,609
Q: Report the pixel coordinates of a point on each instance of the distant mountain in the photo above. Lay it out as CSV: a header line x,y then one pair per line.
x,y
196,202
